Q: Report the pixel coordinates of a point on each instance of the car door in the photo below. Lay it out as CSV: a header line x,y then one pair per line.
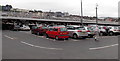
x,y
50,32
34,29
70,30
55,32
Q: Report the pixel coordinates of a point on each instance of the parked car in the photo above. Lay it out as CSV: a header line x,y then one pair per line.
x,y
15,27
76,31
50,26
58,33
103,31
114,30
100,29
24,28
90,31
39,30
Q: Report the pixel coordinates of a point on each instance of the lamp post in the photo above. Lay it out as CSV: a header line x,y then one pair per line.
x,y
96,14
81,14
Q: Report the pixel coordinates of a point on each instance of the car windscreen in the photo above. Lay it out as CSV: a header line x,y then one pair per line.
x,y
116,27
119,28
44,27
34,27
79,28
63,29
90,28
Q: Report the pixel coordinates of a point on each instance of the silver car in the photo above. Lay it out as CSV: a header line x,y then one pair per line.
x,y
76,31
90,31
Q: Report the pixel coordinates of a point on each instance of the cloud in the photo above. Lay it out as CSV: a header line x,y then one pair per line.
x,y
105,8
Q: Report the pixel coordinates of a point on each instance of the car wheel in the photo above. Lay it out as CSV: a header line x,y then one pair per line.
x,y
32,32
46,36
111,33
67,39
91,36
101,34
75,36
56,38
83,37
38,33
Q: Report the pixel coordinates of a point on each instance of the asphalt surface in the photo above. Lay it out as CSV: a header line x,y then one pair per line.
x,y
24,45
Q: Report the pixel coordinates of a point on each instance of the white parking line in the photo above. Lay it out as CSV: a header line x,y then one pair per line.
x,y
9,37
75,40
39,36
103,47
40,46
105,36
25,32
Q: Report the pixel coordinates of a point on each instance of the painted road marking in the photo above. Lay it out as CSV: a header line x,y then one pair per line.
x,y
40,46
105,36
103,47
75,40
25,32
9,37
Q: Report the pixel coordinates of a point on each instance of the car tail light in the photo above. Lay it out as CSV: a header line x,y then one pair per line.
x,y
60,33
63,33
104,27
88,31
115,30
79,31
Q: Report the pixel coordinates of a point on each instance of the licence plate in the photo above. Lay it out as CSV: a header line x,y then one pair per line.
x,y
83,32
64,33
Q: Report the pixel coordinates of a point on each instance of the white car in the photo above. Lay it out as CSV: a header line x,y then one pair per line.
x,y
76,31
114,30
24,27
16,27
102,30
90,31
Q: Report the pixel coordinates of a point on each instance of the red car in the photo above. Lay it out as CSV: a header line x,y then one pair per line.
x,y
39,30
58,33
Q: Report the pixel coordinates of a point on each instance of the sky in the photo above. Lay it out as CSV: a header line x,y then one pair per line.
x,y
106,8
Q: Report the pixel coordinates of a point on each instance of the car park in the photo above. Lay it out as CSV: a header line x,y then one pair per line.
x,y
76,31
39,30
58,33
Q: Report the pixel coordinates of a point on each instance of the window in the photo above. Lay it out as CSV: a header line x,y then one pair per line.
x,y
34,27
51,29
70,28
55,29
63,29
90,28
79,28
44,27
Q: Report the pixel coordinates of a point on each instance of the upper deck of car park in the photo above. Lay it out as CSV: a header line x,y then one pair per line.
x,y
60,21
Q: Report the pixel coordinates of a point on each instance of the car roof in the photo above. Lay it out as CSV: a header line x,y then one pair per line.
x,y
74,25
58,27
